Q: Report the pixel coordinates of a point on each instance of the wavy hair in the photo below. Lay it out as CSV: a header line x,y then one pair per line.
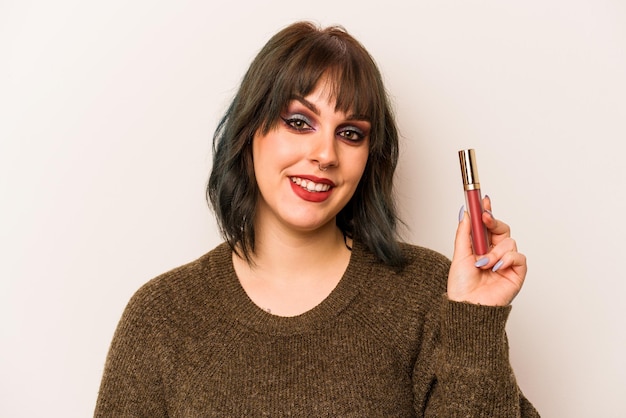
x,y
291,64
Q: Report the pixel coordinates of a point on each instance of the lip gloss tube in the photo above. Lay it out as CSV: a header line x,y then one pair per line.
x,y
474,200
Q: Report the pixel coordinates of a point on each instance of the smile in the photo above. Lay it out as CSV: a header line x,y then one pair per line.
x,y
310,185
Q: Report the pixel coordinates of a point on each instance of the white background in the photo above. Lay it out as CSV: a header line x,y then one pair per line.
x,y
107,110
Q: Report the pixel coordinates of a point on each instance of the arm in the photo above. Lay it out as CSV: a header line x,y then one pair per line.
x,y
469,369
131,385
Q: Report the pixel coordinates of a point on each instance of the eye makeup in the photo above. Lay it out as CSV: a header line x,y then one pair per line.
x,y
297,122
352,133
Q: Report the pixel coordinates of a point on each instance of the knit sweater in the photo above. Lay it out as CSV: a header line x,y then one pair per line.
x,y
383,344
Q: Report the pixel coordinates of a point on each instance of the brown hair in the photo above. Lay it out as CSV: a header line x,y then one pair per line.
x,y
291,64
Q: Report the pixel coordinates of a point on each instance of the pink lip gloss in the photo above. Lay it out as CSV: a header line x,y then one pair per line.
x,y
473,200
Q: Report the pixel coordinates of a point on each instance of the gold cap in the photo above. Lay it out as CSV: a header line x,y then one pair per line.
x,y
469,169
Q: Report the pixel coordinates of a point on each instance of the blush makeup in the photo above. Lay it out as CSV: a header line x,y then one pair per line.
x,y
474,200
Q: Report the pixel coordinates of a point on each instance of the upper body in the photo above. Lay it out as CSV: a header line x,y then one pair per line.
x,y
382,344
313,307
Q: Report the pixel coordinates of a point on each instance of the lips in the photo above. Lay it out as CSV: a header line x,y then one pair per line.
x,y
311,188
311,185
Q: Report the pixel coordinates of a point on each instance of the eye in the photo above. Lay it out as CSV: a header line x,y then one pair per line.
x,y
352,134
297,122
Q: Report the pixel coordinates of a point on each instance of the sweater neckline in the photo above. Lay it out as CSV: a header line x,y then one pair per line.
x,y
236,303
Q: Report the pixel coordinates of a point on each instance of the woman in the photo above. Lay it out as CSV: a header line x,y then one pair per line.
x,y
311,307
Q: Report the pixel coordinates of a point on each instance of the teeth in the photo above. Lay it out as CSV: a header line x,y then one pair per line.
x,y
309,185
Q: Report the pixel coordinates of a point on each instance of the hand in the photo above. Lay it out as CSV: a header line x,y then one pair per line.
x,y
493,279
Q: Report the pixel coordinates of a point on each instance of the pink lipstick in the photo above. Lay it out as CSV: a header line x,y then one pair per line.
x,y
473,200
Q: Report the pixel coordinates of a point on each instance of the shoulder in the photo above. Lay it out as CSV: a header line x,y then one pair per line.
x,y
424,262
184,286
402,303
425,272
423,256
419,262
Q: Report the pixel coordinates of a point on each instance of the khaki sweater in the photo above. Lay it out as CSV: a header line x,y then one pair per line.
x,y
383,344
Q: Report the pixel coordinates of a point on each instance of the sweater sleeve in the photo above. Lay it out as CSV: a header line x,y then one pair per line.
x,y
131,384
469,372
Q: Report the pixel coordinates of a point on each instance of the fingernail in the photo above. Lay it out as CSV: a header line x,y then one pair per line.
x,y
461,213
482,262
498,265
490,213
488,198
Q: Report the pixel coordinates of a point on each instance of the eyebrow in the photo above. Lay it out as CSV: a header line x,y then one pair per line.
x,y
315,110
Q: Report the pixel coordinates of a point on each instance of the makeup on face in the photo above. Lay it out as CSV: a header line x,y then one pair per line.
x,y
311,188
309,164
302,116
474,201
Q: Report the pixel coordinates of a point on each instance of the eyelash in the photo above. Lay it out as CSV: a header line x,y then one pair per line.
x,y
352,132
293,120
349,133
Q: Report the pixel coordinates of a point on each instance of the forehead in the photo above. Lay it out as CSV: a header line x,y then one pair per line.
x,y
323,106
323,94
328,93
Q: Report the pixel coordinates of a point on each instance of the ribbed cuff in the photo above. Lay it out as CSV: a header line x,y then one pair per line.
x,y
474,335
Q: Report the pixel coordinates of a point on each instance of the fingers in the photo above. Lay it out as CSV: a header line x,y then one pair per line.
x,y
497,277
487,203
512,259
497,229
503,253
503,256
463,240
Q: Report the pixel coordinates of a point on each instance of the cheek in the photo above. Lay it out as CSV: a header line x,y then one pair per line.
x,y
359,163
273,149
261,152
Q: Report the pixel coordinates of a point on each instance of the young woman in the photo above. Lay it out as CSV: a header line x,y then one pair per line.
x,y
312,307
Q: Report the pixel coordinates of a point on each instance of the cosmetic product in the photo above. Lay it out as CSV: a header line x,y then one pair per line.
x,y
474,200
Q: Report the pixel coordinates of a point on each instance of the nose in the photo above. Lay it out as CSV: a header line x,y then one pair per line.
x,y
324,151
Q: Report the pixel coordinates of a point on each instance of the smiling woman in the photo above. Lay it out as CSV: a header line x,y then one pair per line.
x,y
312,307
288,162
294,63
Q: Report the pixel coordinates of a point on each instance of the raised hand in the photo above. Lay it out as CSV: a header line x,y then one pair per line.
x,y
493,279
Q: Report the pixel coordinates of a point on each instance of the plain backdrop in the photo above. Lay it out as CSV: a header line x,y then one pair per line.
x,y
107,111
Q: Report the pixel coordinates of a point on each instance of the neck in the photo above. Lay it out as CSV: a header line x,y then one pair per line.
x,y
280,253
293,272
